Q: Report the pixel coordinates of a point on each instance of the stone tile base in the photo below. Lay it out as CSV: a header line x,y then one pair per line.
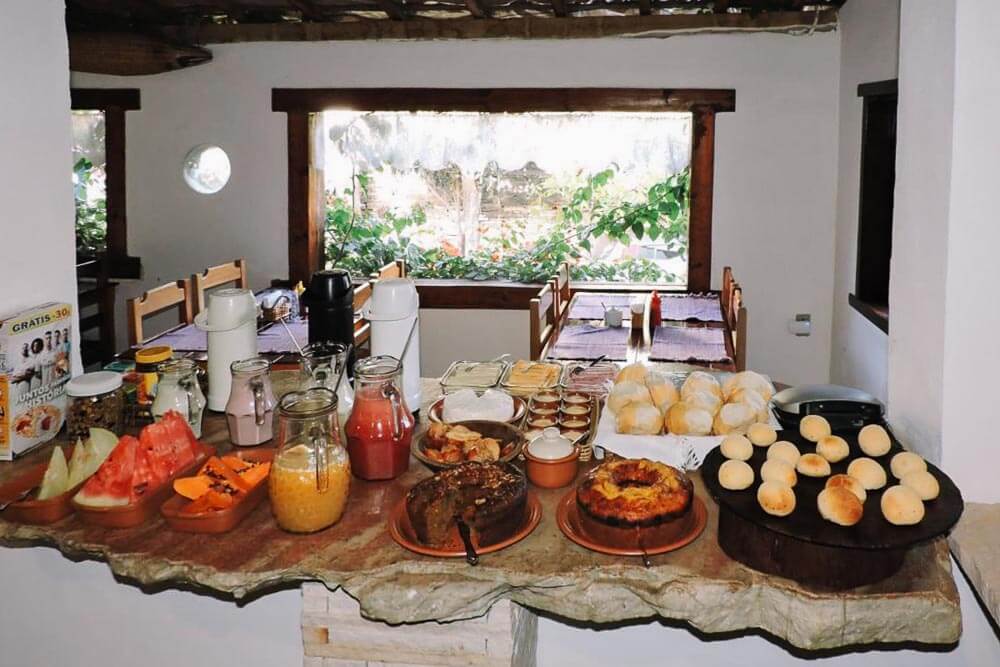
x,y
335,635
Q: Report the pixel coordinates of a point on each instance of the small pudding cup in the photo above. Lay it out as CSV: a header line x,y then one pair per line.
x,y
576,397
545,399
541,422
575,410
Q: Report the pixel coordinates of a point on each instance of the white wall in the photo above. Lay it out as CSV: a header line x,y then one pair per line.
x,y
920,222
869,45
36,227
971,315
775,166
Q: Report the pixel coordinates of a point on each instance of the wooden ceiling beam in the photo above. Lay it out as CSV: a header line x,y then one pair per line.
x,y
479,8
394,10
656,25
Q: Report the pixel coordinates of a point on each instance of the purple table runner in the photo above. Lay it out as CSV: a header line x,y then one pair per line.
x,y
272,339
696,307
689,344
587,305
584,341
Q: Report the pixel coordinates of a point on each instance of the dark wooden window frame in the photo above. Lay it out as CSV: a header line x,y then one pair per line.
x,y
114,102
305,175
876,313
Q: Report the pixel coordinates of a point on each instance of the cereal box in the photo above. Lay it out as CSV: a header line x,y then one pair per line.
x,y
35,346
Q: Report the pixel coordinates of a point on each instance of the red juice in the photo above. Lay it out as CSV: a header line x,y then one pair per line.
x,y
379,432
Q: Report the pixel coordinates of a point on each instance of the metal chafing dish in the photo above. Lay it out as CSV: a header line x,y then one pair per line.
x,y
843,407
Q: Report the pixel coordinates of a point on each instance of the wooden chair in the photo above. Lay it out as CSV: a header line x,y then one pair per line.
x,y
234,272
726,294
542,325
172,295
394,269
96,301
362,327
560,285
739,328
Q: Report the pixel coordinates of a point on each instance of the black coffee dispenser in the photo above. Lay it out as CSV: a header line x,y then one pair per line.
x,y
329,300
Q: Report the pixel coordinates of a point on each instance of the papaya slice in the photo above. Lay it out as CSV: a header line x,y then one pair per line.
x,y
198,506
220,472
193,488
218,501
236,463
256,474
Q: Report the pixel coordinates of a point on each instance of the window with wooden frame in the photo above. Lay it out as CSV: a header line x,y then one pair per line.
x,y
878,181
308,197
99,177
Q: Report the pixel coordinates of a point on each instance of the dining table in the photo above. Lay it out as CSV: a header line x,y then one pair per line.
x,y
693,330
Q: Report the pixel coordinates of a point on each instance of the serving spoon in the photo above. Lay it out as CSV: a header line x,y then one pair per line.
x,y
471,557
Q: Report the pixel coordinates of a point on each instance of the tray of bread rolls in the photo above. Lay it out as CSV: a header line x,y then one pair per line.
x,y
854,489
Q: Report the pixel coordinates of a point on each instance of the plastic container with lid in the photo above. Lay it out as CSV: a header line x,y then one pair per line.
x,y
96,400
147,360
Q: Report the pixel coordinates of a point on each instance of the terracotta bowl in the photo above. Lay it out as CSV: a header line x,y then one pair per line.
x,y
551,473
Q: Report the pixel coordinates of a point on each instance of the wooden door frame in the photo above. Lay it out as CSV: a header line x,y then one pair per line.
x,y
305,215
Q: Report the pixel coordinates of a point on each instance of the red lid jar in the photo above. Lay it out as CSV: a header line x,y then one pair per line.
x,y
380,427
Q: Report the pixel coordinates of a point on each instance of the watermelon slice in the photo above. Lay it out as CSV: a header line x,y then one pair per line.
x,y
169,444
112,484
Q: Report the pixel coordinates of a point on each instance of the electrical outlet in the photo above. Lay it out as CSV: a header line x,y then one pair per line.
x,y
801,325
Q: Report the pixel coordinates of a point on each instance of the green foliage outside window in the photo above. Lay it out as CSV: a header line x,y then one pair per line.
x,y
91,215
361,241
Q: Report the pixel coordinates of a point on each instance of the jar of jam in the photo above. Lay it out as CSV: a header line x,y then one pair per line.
x,y
310,477
380,428
147,361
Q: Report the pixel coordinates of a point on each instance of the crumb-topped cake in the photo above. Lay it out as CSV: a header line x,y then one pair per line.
x,y
489,497
634,492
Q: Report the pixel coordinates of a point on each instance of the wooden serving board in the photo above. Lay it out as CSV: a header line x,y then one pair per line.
x,y
805,547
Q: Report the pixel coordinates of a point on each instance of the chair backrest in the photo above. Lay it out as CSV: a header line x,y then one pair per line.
x,y
560,284
739,329
172,295
542,313
726,294
362,327
96,302
234,272
394,269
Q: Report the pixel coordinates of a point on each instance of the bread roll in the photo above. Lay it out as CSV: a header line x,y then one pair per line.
x,y
703,400
849,483
632,373
735,475
901,506
776,498
754,400
784,451
840,506
736,447
813,465
776,470
762,435
627,392
868,472
923,482
733,418
701,381
874,440
814,427
639,419
662,391
748,380
685,419
906,462
833,448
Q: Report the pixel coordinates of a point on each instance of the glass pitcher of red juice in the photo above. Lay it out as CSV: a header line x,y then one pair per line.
x,y
380,428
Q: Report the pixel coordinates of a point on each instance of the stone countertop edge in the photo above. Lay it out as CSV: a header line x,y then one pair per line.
x,y
975,543
413,592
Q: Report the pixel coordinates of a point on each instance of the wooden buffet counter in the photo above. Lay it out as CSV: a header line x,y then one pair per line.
x,y
698,584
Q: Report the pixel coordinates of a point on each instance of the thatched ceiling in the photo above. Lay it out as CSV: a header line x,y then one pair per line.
x,y
246,20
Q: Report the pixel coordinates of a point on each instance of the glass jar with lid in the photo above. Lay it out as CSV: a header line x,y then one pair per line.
x,y
380,428
147,362
250,409
96,400
310,477
178,389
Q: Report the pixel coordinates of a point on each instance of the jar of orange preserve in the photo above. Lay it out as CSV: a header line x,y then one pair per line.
x,y
311,475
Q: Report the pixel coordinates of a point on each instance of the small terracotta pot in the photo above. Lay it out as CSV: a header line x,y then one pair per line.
x,y
551,473
547,399
543,422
